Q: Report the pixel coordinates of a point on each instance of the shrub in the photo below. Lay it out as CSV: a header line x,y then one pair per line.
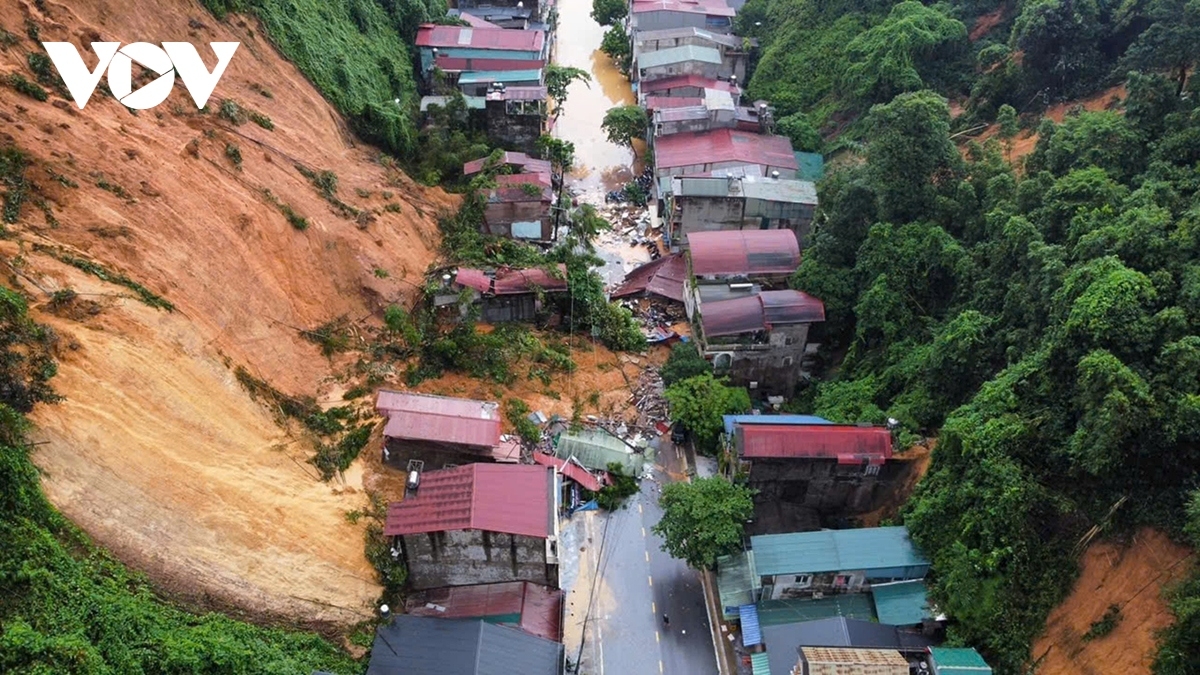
x,y
234,153
262,120
24,86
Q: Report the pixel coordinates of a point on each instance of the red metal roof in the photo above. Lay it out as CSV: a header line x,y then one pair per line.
x,y
539,608
664,277
709,8
783,307
570,470
671,102
508,498
759,312
520,160
539,179
506,281
442,419
698,148
698,81
516,195
742,252
452,64
849,444
431,35
525,93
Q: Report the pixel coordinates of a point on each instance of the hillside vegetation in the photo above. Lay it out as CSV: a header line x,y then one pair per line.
x,y
1043,320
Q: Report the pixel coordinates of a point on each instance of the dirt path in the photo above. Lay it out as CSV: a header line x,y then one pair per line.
x,y
1131,576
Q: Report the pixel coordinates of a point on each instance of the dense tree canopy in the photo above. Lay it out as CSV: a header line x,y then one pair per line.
x,y
703,519
700,402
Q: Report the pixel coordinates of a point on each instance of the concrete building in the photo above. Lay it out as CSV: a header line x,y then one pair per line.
x,y
485,9
686,60
664,278
828,562
699,152
479,523
654,94
714,110
503,294
519,211
437,430
512,18
710,203
650,15
436,42
733,49
515,116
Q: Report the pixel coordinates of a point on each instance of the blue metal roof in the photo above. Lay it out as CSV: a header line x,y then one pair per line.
x,y
731,420
751,632
871,548
958,661
901,603
482,76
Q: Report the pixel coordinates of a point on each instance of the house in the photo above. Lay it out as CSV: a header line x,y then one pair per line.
x,y
479,523
466,42
733,49
837,661
686,60
785,641
697,152
732,421
712,15
512,18
503,294
715,110
437,430
903,603
416,645
707,203
596,449
687,86
517,162
493,75
812,564
519,211
664,278
515,116
535,609
487,9
808,476
957,661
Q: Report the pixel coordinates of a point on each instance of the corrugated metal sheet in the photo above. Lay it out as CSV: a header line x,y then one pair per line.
x,y
812,166
736,582
841,631
521,94
520,160
533,608
760,664
526,229
509,498
781,190
901,603
473,278
869,548
415,645
443,419
664,277
506,76
718,99
732,317
454,64
507,281
847,443
743,252
842,661
958,661
647,36
751,633
430,35
732,420
596,449
693,80
789,307
570,470
676,55
710,8
670,102
782,612
699,148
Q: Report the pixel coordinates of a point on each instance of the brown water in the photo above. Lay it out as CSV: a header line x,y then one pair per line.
x,y
599,165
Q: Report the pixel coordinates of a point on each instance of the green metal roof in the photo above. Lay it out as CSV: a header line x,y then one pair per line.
x,y
901,603
482,76
666,57
869,548
595,449
849,605
473,102
812,166
759,665
958,661
736,582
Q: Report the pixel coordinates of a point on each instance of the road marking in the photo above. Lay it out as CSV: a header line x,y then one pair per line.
x,y
647,556
653,607
650,580
660,666
639,507
657,636
643,533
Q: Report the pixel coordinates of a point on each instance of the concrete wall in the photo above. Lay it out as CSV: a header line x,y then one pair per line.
x,y
664,19
498,217
464,557
435,455
501,308
510,128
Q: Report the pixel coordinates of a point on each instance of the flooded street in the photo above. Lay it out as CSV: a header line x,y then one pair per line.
x,y
599,165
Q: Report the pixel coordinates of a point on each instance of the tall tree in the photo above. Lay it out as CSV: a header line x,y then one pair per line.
x,y
909,153
1172,42
914,43
703,520
558,78
609,12
624,124
698,403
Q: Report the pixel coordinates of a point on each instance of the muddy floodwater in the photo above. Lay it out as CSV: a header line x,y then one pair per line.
x,y
599,165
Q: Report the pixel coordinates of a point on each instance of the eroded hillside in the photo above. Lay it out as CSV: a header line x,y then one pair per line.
x,y
156,450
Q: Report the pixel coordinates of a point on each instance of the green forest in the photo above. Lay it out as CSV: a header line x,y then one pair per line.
x,y
1041,317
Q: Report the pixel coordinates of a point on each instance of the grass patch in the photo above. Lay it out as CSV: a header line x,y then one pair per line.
x,y
326,184
516,411
393,207
23,86
234,154
100,272
294,219
231,112
7,39
104,184
1105,624
332,337
13,163
262,120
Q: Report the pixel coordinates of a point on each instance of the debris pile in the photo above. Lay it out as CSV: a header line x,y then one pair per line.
x,y
647,398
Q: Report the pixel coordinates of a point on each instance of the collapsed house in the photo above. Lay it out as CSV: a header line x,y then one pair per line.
x,y
438,430
500,295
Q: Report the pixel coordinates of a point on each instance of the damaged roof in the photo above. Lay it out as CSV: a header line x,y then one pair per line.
x,y
507,281
698,148
520,160
664,277
509,498
569,469
848,443
744,252
425,417
533,608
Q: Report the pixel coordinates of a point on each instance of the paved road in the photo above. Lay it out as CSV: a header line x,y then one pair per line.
x,y
639,584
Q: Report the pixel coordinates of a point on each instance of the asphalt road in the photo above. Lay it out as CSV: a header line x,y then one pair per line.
x,y
640,584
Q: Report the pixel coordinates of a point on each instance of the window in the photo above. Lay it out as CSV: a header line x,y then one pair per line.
x,y
842,580
802,580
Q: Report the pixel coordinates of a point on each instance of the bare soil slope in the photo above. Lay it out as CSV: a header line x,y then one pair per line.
x,y
156,451
1131,576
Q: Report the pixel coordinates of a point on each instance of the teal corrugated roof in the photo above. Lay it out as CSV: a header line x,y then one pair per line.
x,y
835,550
958,661
751,631
812,166
666,57
849,605
482,76
596,449
901,603
759,665
736,581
